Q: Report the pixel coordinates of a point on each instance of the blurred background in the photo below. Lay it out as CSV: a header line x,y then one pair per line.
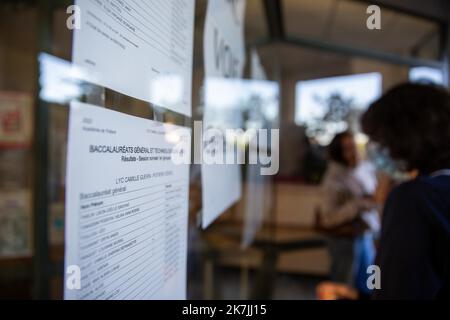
x,y
319,69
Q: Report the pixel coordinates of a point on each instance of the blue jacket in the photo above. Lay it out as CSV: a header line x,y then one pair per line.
x,y
414,251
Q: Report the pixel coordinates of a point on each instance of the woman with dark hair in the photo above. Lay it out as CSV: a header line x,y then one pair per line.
x,y
412,122
346,200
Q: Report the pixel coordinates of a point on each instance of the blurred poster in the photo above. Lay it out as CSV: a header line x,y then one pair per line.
x,y
16,119
143,49
221,182
224,57
126,206
15,223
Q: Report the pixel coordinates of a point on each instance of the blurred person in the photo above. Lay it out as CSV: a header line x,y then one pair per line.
x,y
344,212
412,122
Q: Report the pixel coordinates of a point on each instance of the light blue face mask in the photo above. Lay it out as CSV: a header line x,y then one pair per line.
x,y
382,161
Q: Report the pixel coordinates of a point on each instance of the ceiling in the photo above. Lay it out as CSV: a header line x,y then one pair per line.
x,y
341,22
344,21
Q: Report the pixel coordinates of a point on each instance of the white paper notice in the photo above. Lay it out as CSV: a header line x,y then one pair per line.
x,y
126,207
143,49
223,39
224,56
